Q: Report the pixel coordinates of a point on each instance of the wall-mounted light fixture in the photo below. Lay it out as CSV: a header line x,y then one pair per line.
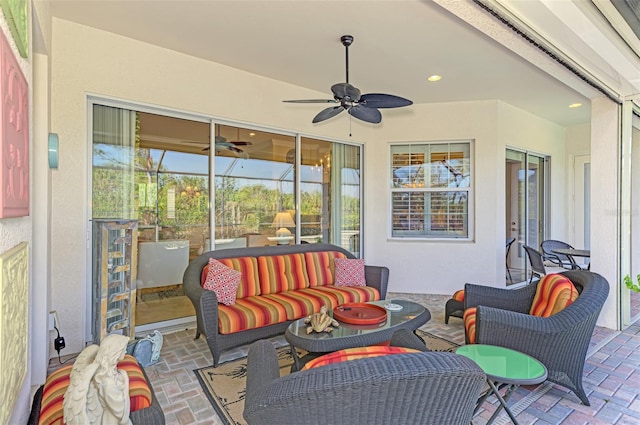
x,y
53,150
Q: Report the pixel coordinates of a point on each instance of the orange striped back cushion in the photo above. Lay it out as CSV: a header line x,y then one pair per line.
x,y
248,266
356,353
321,268
56,386
554,293
458,295
469,318
278,273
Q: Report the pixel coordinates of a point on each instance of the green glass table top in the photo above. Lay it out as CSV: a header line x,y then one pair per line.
x,y
505,365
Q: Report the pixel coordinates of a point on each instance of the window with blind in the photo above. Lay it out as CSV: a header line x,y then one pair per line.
x,y
431,190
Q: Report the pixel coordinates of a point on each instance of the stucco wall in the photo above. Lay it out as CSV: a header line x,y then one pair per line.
x,y
13,231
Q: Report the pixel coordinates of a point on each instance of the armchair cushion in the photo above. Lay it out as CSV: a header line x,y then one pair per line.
x,y
554,293
469,319
56,385
350,272
356,353
458,295
222,280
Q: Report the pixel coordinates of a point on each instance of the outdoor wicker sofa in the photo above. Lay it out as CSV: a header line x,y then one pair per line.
x,y
300,302
559,341
417,388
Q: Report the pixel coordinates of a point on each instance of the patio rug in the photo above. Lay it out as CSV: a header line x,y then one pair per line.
x,y
225,385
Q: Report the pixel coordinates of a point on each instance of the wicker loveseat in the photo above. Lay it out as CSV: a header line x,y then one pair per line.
x,y
559,341
418,388
279,284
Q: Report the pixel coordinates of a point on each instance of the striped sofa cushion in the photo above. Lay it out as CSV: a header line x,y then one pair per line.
x,y
321,268
248,266
278,273
356,353
554,293
350,294
55,387
303,302
250,313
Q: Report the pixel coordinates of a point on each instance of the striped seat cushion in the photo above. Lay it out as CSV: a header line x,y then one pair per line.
x,y
250,313
350,294
356,353
303,302
56,386
321,267
555,292
279,273
248,266
469,318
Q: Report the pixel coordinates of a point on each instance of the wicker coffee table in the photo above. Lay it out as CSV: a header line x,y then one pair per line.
x,y
411,317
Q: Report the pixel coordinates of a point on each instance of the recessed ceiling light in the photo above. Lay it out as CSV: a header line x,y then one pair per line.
x,y
575,105
252,134
434,77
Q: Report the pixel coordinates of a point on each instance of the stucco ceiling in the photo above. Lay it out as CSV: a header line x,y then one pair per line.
x,y
397,45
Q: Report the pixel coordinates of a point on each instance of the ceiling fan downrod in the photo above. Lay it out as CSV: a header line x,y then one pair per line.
x,y
346,42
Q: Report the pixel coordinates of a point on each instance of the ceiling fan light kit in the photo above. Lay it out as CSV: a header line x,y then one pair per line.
x,y
361,106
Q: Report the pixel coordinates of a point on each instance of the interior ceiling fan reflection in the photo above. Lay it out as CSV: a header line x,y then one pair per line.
x,y
221,143
362,106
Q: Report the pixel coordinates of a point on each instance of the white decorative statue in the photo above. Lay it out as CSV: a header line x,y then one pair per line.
x,y
98,393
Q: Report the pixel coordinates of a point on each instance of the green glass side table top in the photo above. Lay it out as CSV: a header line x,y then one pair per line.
x,y
505,365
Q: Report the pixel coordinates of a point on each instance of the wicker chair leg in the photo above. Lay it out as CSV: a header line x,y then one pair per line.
x,y
579,391
453,308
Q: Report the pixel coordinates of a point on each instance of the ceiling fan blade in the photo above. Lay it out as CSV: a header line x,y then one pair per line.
x,y
367,114
240,143
345,90
311,101
325,114
380,100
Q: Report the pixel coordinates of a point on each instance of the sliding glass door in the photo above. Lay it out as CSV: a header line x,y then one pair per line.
x,y
249,187
525,177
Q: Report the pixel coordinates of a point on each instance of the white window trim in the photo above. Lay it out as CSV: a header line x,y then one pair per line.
x,y
471,194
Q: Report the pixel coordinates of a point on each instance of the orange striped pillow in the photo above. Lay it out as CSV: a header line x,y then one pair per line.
x,y
554,293
458,295
279,273
356,353
321,268
56,386
469,318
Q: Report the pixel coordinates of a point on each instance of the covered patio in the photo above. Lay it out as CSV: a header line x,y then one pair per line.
x,y
611,378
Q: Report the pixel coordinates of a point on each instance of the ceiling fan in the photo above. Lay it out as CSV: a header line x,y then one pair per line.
x,y
362,106
221,143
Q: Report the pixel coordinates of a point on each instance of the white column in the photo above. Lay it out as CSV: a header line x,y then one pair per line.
x,y
605,190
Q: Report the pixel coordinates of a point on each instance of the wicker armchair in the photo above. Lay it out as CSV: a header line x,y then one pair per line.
x,y
559,341
417,388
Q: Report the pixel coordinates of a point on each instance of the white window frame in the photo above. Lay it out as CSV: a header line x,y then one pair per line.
x,y
468,190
